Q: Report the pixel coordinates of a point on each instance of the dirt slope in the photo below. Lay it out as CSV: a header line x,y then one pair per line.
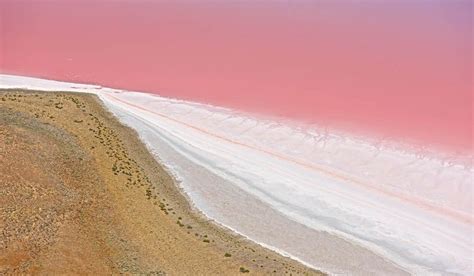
x,y
80,194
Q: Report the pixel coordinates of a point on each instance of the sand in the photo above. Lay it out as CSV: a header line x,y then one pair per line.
x,y
80,194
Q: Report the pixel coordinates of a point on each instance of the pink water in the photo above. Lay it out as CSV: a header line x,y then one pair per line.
x,y
401,69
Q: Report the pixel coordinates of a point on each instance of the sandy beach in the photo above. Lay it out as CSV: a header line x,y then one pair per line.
x,y
80,194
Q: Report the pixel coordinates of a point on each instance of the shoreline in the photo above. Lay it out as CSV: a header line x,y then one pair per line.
x,y
210,204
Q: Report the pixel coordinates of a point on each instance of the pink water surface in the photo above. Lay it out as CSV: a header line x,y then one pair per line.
x,y
400,69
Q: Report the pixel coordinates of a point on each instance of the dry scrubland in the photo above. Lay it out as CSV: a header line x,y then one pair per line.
x,y
79,193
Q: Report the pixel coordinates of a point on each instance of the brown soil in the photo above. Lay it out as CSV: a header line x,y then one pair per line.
x,y
80,194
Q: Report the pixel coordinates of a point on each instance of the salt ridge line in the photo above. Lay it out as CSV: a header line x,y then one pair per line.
x,y
339,175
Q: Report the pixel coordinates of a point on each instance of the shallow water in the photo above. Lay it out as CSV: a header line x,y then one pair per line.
x,y
397,69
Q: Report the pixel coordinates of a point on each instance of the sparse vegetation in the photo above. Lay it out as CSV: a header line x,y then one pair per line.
x,y
244,270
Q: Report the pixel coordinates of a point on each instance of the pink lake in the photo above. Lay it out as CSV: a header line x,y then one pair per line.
x,y
401,69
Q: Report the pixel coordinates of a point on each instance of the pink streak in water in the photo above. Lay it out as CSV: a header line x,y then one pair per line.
x,y
398,69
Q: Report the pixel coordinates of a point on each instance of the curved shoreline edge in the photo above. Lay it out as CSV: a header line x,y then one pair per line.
x,y
428,217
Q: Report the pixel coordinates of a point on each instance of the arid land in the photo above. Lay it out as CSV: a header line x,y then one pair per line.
x,y
80,194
